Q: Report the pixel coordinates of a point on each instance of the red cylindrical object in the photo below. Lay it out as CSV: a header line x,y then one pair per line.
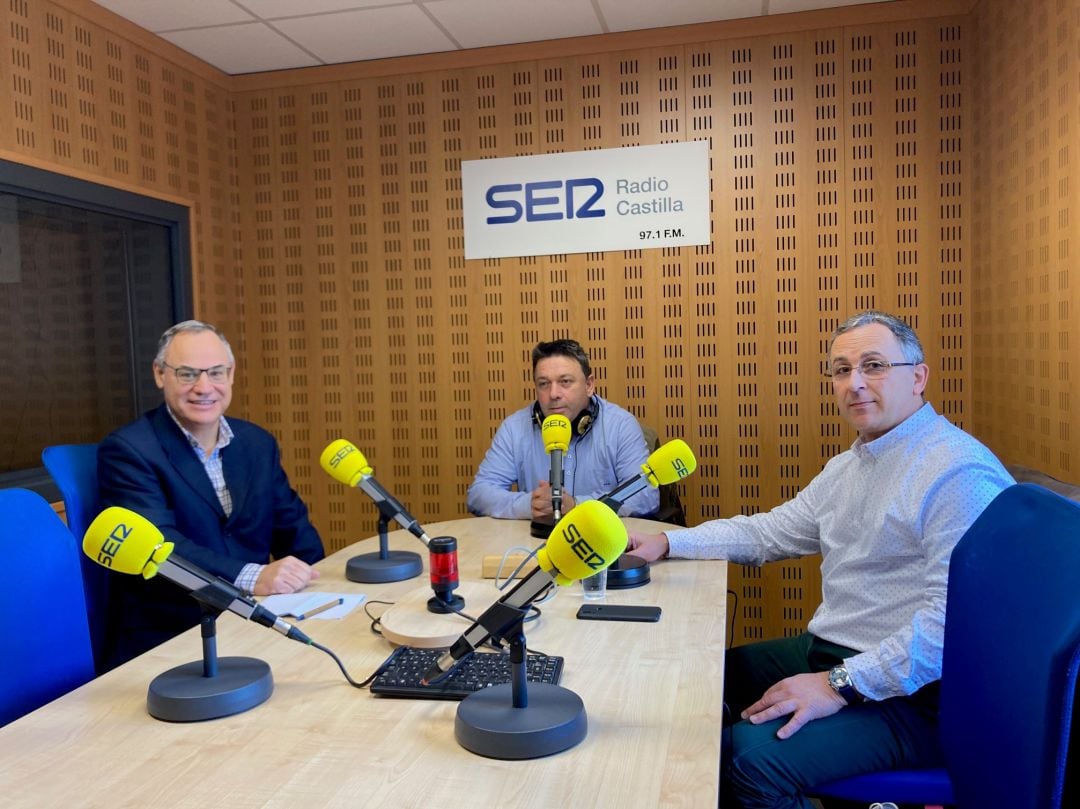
x,y
444,564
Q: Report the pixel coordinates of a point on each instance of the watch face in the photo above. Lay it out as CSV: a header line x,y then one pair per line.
x,y
840,682
838,678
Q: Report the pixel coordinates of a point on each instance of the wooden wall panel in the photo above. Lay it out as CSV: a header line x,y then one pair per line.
x,y
836,185
1026,210
327,236
79,97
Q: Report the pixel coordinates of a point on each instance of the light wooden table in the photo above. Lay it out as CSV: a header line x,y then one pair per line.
x,y
652,693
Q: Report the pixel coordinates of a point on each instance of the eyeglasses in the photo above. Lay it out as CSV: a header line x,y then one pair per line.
x,y
871,369
189,376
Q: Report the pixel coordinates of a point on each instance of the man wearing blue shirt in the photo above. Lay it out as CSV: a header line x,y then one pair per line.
x,y
859,691
606,447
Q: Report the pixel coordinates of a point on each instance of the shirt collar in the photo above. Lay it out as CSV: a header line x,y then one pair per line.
x,y
898,434
225,433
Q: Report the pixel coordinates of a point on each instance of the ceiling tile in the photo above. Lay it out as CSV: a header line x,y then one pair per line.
x,y
789,6
479,23
247,48
334,31
371,34
273,9
634,15
168,15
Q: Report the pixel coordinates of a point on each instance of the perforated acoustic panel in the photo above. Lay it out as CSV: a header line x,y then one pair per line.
x,y
79,98
838,187
1024,300
838,184
327,232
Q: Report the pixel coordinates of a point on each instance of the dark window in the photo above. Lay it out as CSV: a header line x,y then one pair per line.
x,y
89,279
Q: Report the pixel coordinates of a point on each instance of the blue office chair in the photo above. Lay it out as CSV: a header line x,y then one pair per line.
x,y
1011,656
74,469
46,649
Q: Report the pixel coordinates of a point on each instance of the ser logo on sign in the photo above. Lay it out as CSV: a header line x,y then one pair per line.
x,y
546,200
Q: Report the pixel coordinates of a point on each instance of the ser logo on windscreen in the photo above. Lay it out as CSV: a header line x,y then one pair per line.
x,y
112,546
680,467
582,549
340,455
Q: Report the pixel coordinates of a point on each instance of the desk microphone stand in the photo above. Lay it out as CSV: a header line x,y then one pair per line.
x,y
500,722
541,529
384,565
212,687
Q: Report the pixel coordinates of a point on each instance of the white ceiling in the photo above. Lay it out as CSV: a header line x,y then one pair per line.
x,y
250,36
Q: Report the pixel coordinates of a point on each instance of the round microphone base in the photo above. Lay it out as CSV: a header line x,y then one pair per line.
x,y
374,567
489,725
540,530
628,571
184,694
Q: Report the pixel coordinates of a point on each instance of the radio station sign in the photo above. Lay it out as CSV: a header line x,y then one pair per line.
x,y
583,202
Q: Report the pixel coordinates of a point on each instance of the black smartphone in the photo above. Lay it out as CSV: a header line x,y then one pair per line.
x,y
618,612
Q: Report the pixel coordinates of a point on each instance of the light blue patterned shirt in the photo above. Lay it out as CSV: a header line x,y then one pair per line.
x,y
211,462
611,452
885,516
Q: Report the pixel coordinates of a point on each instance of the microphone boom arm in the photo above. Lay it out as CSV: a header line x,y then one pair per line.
x,y
623,492
391,509
497,621
218,594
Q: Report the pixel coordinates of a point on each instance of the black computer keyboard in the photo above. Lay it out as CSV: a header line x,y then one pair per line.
x,y
403,670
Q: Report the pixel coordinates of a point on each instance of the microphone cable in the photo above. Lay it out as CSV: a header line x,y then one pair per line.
x,y
532,613
400,650
376,620
529,557
371,678
341,666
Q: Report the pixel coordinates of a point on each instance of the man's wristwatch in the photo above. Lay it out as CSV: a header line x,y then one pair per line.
x,y
840,682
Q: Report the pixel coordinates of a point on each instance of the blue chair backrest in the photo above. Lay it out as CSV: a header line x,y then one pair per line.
x,y
1012,649
74,469
47,649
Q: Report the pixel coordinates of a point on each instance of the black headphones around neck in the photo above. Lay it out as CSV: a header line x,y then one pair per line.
x,y
581,423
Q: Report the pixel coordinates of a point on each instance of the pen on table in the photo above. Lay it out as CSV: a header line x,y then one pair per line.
x,y
321,608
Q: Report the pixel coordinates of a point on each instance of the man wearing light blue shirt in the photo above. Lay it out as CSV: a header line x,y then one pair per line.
x,y
606,446
859,691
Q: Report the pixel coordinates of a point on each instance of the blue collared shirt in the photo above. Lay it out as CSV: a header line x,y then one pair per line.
x,y
611,452
885,517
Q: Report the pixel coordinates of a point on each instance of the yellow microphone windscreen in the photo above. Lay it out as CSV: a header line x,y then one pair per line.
x,y
126,542
344,462
670,463
587,540
556,433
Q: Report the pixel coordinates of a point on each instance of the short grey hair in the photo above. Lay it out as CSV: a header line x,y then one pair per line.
x,y
905,335
189,326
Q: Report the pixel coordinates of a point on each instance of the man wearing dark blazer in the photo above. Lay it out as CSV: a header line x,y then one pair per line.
x,y
214,487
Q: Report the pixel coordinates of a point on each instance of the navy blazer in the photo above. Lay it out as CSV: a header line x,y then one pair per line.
x,y
149,467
